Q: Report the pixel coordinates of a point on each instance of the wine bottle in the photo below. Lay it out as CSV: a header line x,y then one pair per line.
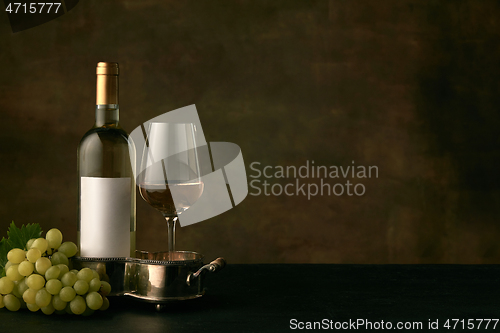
x,y
106,224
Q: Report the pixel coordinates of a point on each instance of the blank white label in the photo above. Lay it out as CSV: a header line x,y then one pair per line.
x,y
105,217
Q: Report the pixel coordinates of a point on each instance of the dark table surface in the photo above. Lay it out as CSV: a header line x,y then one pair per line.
x,y
267,297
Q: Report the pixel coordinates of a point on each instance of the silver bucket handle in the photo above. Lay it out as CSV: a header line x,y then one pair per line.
x,y
213,267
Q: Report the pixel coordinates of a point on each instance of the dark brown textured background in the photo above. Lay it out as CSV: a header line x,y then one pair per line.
x,y
409,86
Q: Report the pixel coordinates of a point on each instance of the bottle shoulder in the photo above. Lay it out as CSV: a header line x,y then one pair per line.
x,y
105,152
113,134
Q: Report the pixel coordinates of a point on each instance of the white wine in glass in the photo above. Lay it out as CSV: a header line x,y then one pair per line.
x,y
170,178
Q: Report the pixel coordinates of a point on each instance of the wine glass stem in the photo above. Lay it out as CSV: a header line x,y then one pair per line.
x,y
171,220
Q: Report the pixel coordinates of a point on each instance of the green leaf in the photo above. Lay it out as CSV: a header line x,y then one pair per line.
x,y
17,238
4,249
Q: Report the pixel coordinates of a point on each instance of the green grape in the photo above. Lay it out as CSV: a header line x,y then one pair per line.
x,y
95,275
29,296
41,244
105,303
30,243
59,258
22,286
69,249
68,309
35,281
43,298
6,285
33,307
23,303
25,268
16,256
64,269
53,286
87,312
15,290
69,279
52,273
33,254
94,300
54,238
85,274
42,265
7,265
49,251
58,303
1,301
77,305
67,294
75,271
13,273
105,288
81,287
94,285
48,310
101,270
11,302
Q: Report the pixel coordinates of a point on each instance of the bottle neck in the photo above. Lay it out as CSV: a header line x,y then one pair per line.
x,y
107,110
107,115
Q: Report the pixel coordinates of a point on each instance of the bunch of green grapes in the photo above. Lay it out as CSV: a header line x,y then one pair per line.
x,y
38,282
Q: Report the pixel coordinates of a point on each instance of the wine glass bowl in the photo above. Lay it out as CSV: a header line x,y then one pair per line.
x,y
170,178
158,195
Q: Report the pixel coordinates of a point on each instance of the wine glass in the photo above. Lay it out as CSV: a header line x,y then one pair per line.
x,y
170,178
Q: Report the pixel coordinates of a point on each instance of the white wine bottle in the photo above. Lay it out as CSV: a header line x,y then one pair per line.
x,y
106,223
